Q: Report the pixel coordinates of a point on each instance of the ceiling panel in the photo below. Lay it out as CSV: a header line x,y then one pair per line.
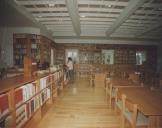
x,y
140,19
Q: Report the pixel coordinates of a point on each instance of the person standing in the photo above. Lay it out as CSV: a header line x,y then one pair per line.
x,y
70,69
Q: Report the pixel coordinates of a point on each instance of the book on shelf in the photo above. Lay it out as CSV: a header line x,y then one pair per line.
x,y
32,104
24,93
18,96
4,105
45,95
6,122
43,83
21,116
37,102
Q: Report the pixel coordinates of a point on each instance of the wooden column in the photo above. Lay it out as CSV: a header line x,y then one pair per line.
x,y
29,66
12,108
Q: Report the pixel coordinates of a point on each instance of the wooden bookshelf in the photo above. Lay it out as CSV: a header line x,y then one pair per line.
x,y
21,97
60,56
125,56
36,46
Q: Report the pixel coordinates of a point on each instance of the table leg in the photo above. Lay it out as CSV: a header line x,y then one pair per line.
x,y
155,122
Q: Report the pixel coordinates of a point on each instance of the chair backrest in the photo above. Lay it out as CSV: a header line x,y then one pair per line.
x,y
133,77
100,76
130,109
108,87
119,100
100,79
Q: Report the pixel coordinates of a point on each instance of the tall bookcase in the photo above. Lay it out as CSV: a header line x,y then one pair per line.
x,y
125,56
35,46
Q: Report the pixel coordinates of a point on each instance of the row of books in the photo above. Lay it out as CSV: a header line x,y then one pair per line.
x,y
19,45
24,93
28,98
4,105
55,77
6,122
44,82
21,116
25,111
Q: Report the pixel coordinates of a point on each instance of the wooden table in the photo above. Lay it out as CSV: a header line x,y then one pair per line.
x,y
112,84
149,103
119,83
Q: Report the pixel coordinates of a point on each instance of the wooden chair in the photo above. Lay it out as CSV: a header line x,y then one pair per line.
x,y
132,116
134,78
119,106
92,77
99,79
110,92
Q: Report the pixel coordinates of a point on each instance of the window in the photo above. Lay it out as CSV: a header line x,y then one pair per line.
x,y
107,56
140,57
73,53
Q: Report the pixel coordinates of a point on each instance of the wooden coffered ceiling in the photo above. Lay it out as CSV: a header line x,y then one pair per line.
x,y
98,19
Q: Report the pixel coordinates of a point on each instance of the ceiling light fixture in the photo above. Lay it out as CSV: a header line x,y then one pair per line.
x,y
109,6
83,16
51,5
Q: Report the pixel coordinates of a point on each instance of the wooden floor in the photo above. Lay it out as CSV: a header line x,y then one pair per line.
x,y
79,106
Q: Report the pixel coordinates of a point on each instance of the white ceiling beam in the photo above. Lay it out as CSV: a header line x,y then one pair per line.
x,y
47,9
72,7
140,21
105,41
38,2
145,17
133,5
150,37
61,30
95,2
99,15
149,29
56,23
82,2
147,12
97,19
89,9
96,23
130,27
135,24
52,18
81,19
152,5
53,9
130,30
81,14
85,2
55,26
69,33
50,14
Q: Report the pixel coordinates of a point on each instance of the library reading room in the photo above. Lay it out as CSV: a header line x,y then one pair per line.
x,y
80,63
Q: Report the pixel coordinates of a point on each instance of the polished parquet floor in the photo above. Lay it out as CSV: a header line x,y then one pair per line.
x,y
80,106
